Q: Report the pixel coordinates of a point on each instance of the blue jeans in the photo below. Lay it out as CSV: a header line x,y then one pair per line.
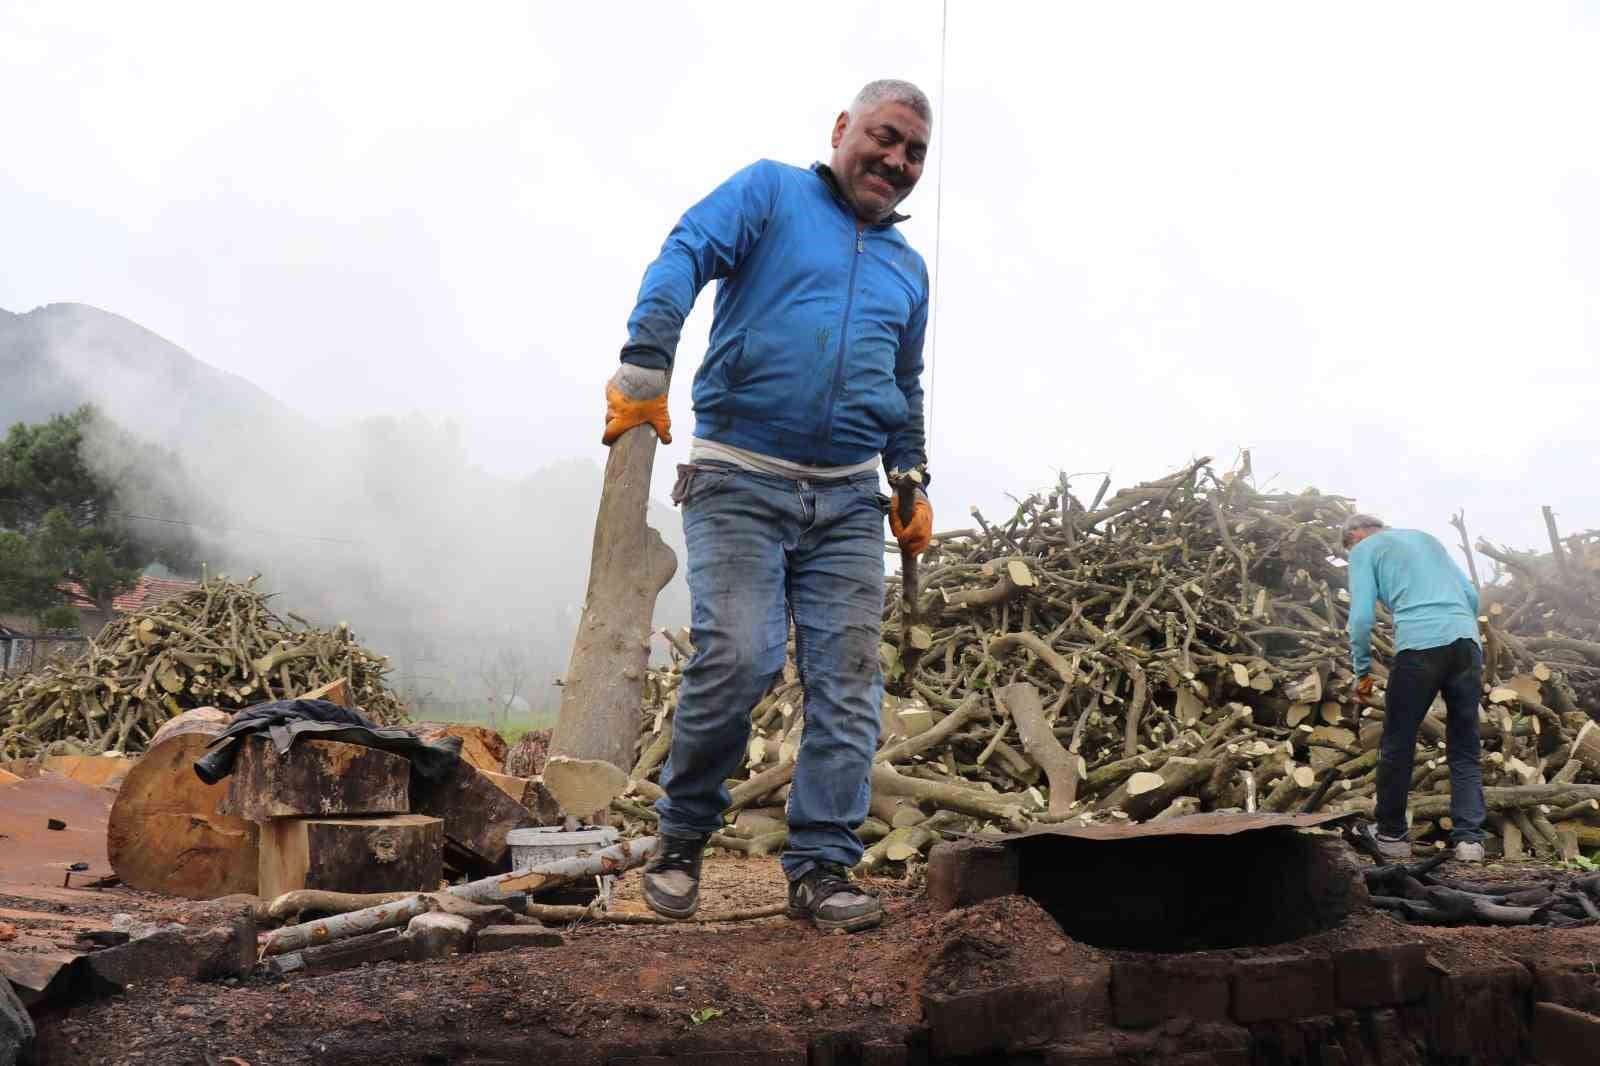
x,y
1456,671
763,550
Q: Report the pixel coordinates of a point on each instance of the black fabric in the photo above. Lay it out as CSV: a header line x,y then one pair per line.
x,y
285,721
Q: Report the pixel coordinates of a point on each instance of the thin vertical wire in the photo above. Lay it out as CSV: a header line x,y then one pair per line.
x,y
938,229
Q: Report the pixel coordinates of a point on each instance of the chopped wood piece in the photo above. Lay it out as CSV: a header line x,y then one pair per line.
x,y
382,853
477,816
315,777
482,747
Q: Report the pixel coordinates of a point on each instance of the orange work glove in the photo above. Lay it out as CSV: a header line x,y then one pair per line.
x,y
914,537
635,396
1367,687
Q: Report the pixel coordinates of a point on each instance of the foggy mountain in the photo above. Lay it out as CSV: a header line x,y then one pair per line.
x,y
471,583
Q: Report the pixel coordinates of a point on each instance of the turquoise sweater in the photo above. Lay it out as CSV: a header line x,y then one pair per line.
x,y
1432,601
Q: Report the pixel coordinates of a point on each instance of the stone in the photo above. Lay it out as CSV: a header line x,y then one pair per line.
x,y
223,948
511,937
435,935
1565,1037
16,1028
1382,975
1019,1016
961,873
1276,988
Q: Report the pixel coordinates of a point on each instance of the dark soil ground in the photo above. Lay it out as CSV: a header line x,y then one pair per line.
x,y
640,990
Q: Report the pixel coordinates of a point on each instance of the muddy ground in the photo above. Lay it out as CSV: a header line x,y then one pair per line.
x,y
614,991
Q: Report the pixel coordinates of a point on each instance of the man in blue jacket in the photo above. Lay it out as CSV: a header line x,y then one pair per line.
x,y
812,376
1435,611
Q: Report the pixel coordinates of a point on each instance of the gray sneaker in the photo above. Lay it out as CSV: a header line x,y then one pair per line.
x,y
672,876
1469,851
1388,847
825,895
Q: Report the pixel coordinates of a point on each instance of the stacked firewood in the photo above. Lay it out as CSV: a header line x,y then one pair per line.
x,y
1177,647
217,646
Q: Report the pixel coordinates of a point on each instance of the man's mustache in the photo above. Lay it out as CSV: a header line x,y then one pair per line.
x,y
898,178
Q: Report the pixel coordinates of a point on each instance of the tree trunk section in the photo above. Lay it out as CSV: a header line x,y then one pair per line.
x,y
1061,768
394,853
484,748
165,834
477,815
315,777
629,566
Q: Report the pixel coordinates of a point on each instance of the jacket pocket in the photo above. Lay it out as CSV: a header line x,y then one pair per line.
x,y
780,378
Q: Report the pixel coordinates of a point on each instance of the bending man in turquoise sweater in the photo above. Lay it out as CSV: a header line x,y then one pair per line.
x,y
1435,610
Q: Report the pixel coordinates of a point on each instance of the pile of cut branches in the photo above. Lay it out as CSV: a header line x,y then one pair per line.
x,y
1177,647
217,646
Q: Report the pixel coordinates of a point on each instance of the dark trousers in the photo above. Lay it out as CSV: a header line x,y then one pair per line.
x,y
1456,671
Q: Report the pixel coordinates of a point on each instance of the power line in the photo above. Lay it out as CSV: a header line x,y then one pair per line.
x,y
236,529
938,230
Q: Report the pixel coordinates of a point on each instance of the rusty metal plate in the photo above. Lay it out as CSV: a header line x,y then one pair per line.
x,y
31,852
1215,824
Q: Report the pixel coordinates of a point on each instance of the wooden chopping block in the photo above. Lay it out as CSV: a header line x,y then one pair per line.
x,y
165,833
375,853
477,816
315,777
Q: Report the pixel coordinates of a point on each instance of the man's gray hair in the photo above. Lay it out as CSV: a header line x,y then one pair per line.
x,y
1360,521
892,90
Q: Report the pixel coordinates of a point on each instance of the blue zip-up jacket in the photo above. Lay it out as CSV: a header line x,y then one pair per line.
x,y
1432,601
816,341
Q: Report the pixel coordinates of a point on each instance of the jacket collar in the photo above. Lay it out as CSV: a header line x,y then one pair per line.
x,y
825,172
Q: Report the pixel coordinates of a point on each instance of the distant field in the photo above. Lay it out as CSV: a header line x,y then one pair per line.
x,y
511,726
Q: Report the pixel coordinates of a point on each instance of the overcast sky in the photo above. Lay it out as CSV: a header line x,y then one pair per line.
x,y
1362,240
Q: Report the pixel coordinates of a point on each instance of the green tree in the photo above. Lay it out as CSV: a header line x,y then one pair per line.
x,y
68,490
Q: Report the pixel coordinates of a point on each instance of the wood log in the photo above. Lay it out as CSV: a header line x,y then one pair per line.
x,y
481,747
165,833
335,691
8,778
315,777
1063,769
526,757
1145,794
96,771
383,853
629,566
531,793
477,816
989,806
1586,747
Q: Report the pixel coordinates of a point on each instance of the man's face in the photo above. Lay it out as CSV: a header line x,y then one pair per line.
x,y
878,156
1356,536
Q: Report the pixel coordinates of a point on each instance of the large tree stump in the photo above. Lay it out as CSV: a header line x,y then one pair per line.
x,y
316,777
527,756
591,749
165,833
477,816
484,748
387,853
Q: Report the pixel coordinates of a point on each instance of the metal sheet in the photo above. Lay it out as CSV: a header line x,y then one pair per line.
x,y
1213,824
31,852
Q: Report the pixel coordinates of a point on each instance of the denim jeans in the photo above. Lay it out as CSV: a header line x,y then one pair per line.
x,y
764,550
1456,670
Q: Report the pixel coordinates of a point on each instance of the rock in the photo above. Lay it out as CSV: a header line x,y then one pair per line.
x,y
16,1028
508,937
224,946
435,935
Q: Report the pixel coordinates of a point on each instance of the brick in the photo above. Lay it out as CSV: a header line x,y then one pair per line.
x,y
1021,1016
1565,1037
964,872
885,1053
510,937
1381,976
1150,991
1282,987
1570,982
1479,1012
